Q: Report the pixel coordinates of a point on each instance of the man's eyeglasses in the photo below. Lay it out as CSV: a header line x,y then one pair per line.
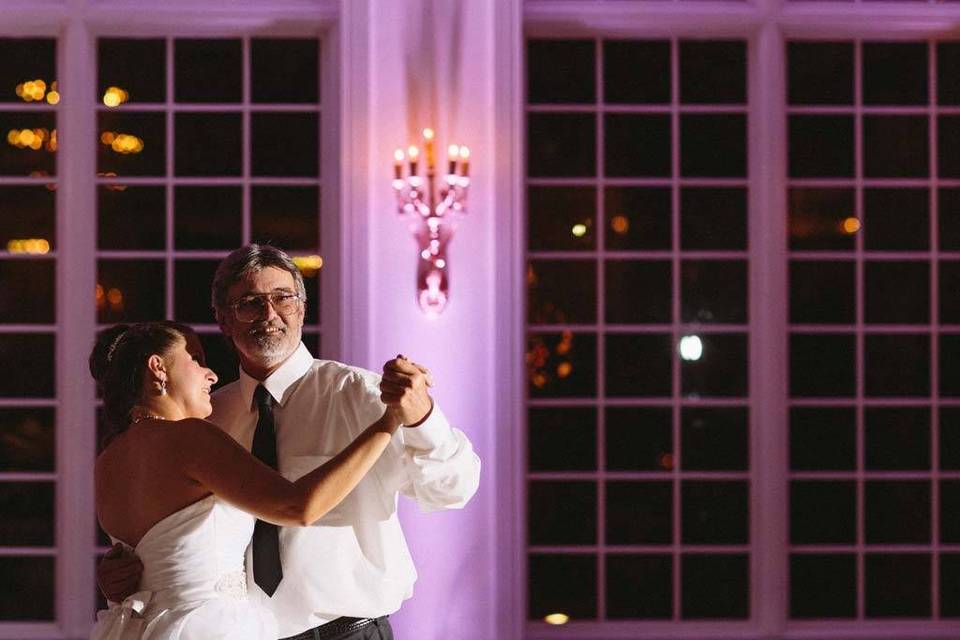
x,y
253,307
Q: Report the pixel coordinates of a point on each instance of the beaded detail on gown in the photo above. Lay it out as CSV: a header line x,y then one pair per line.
x,y
193,585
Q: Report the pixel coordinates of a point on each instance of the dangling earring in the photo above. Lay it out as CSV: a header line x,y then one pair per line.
x,y
163,386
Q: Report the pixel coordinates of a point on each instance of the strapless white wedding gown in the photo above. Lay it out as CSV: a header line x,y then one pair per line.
x,y
193,585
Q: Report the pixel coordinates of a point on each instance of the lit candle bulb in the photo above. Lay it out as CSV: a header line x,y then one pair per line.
x,y
428,145
465,161
398,164
453,152
413,153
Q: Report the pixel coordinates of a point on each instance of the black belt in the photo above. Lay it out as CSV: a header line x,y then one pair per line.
x,y
334,628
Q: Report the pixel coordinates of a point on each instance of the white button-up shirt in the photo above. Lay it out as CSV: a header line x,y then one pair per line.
x,y
354,561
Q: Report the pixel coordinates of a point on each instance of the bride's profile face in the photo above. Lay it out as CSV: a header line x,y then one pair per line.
x,y
188,378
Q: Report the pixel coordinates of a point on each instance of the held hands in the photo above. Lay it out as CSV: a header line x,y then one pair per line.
x,y
118,573
404,390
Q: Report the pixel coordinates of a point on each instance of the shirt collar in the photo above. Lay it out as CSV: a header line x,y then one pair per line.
x,y
280,381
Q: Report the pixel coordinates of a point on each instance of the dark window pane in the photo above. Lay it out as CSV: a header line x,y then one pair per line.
x,y
950,438
130,290
26,588
553,216
715,586
898,365
639,439
561,71
895,146
287,217
715,512
131,218
823,586
715,439
562,439
27,212
820,72
28,514
897,438
638,218
135,66
896,219
562,512
636,71
562,365
208,70
897,292
639,586
27,291
561,144
285,144
293,58
949,219
562,584
713,72
895,73
817,216
713,145
148,158
27,439
639,512
948,73
949,507
207,217
314,344
32,357
25,60
638,291
222,358
721,370
636,144
948,137
561,291
821,146
950,365
31,153
949,284
822,439
897,512
898,585
713,218
950,585
638,364
811,500
822,292
821,364
713,291
208,144
192,280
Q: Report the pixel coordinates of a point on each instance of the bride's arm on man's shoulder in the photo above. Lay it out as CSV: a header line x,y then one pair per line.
x,y
227,469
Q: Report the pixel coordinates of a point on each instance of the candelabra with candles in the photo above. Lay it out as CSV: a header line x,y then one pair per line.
x,y
430,206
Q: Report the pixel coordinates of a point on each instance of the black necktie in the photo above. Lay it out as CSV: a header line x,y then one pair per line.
x,y
267,572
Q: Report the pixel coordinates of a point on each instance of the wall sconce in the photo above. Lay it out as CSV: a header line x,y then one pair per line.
x,y
430,210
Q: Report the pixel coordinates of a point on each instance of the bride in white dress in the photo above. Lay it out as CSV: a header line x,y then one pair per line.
x,y
180,492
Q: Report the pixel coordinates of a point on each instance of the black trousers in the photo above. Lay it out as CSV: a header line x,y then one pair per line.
x,y
379,629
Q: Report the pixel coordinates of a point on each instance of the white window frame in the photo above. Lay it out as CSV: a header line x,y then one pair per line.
x,y
76,25
766,25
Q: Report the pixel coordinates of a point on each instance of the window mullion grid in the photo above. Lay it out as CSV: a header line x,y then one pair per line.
x,y
601,342
169,170
675,320
860,340
934,478
246,139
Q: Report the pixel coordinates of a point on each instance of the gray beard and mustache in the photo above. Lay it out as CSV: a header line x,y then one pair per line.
x,y
270,346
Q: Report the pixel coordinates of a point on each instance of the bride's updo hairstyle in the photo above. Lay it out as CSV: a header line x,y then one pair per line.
x,y
118,363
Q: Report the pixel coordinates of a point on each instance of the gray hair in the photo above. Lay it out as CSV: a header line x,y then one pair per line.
x,y
244,261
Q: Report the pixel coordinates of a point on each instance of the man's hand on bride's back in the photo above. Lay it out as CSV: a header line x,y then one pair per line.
x,y
118,573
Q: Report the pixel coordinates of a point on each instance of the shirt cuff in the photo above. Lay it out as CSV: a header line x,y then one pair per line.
x,y
431,433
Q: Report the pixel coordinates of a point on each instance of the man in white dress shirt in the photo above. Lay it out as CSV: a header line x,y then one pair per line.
x,y
342,576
